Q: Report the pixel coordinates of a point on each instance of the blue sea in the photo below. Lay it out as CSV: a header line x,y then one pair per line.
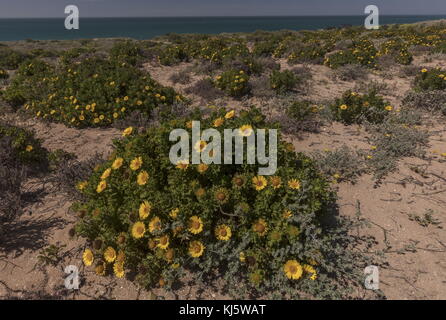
x,y
147,28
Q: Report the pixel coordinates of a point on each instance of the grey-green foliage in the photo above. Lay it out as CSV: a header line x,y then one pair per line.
x,y
395,139
343,164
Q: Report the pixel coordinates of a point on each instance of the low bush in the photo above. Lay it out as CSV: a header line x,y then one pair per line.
x,y
353,107
392,140
94,92
234,82
283,81
10,59
4,74
260,235
398,50
431,101
433,79
26,149
342,164
351,72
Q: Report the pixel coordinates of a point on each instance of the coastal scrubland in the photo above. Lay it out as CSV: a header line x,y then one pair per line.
x,y
86,179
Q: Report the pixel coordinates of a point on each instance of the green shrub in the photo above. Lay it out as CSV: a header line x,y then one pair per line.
x,y
433,79
353,107
362,52
126,52
312,53
398,50
94,92
10,59
283,81
172,55
155,219
4,74
300,110
26,148
233,82
264,48
75,54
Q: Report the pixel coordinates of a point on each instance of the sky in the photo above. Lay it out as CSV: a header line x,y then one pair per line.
x,y
174,8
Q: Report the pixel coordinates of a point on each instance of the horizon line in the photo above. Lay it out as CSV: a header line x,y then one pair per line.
x,y
234,16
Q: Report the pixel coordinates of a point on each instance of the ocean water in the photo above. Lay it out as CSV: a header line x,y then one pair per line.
x,y
146,28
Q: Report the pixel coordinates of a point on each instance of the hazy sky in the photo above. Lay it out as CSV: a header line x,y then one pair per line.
x,y
162,8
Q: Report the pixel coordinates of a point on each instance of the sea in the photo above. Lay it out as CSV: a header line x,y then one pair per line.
x,y
148,28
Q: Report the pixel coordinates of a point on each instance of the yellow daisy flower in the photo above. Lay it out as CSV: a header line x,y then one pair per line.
x,y
276,182
106,174
294,184
121,256
195,225
260,227
202,167
127,132
117,163
218,122
309,269
138,230
163,242
200,146
142,178
174,213
110,254
87,257
118,269
154,224
183,164
223,232
100,269
245,130
293,269
144,210
287,214
343,107
259,182
230,114
101,186
29,148
136,163
196,249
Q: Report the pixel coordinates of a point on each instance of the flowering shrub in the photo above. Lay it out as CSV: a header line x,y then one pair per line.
x,y
398,50
264,48
27,149
434,79
3,74
233,82
146,215
301,110
10,59
94,92
313,52
283,81
353,107
362,52
126,52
